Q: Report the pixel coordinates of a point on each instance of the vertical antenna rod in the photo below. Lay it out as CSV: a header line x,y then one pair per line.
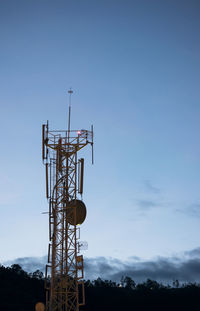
x,y
69,117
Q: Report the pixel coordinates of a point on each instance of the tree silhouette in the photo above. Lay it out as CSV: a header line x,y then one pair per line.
x,y
127,282
20,291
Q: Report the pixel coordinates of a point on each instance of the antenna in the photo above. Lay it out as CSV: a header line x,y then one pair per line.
x,y
43,140
69,117
92,143
80,175
47,181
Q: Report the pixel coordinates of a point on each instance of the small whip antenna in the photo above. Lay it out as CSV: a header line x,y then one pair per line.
x,y
69,117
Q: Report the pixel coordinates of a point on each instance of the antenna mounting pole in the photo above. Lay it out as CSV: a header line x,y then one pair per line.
x,y
69,117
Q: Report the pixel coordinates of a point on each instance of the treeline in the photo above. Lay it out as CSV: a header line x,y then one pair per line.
x,y
20,291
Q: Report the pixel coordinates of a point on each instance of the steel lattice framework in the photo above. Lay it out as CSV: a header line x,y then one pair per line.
x,y
64,271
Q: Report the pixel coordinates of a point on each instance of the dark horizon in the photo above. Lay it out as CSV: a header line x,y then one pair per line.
x,y
161,269
20,291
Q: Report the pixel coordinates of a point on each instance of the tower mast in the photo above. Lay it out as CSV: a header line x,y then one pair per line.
x,y
64,184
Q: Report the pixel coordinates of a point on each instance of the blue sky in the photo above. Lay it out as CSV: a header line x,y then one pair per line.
x,y
134,68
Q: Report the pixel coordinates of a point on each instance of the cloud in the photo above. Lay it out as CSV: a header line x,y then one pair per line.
x,y
161,269
151,188
194,253
192,210
146,204
185,267
29,264
149,201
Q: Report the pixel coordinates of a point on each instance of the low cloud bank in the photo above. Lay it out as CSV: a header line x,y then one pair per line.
x,y
29,264
185,268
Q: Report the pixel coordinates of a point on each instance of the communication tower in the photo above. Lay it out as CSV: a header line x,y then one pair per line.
x,y
64,184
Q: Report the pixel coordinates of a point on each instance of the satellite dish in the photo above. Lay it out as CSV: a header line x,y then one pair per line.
x,y
80,212
39,306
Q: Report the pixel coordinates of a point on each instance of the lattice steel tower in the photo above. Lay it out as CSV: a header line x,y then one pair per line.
x,y
64,183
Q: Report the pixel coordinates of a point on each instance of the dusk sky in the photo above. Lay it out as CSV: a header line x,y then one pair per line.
x,y
134,67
